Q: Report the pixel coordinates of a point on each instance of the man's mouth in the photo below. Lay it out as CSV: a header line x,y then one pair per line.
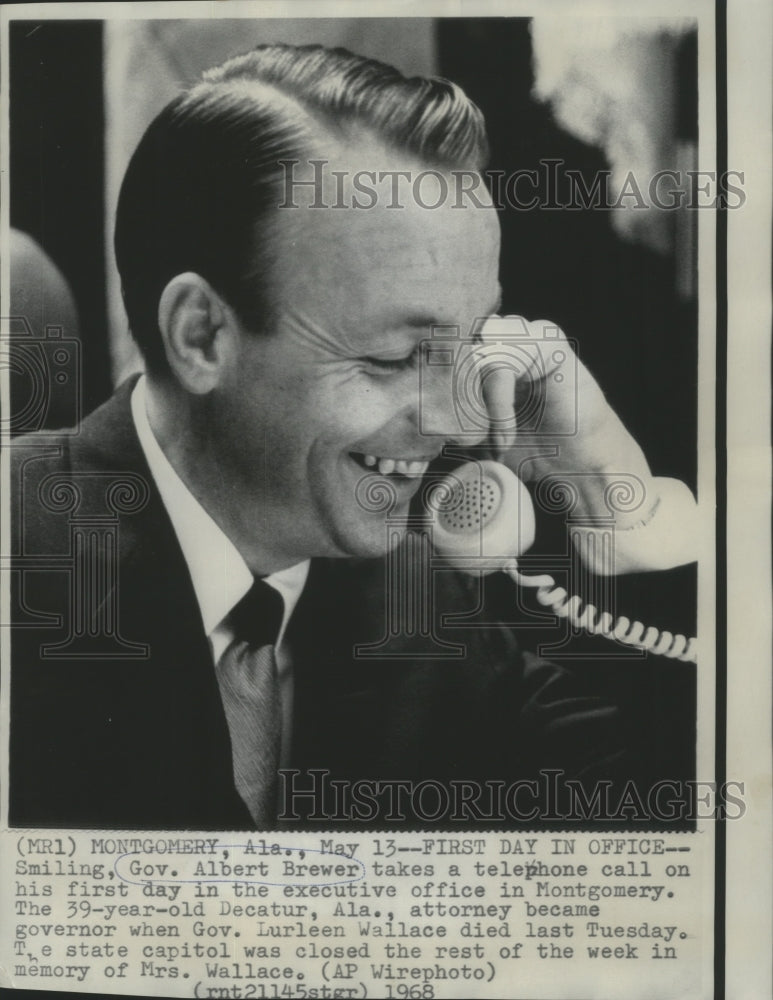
x,y
412,468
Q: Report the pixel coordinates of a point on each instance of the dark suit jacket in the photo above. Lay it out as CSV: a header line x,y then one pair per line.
x,y
116,714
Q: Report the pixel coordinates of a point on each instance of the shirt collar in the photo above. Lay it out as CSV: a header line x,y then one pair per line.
x,y
219,574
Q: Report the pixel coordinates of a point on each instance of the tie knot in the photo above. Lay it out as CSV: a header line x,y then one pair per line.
x,y
257,617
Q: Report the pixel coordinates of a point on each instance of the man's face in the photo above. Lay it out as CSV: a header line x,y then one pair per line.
x,y
332,396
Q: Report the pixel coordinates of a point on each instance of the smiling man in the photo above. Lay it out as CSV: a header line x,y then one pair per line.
x,y
283,340
292,417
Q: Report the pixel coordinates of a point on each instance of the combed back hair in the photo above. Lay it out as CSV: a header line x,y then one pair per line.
x,y
202,188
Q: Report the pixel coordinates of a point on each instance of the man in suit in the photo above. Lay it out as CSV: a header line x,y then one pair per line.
x,y
281,311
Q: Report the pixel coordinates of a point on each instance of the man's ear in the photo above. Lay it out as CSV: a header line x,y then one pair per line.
x,y
198,332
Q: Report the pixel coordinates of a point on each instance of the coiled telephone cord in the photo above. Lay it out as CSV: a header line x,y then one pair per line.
x,y
587,617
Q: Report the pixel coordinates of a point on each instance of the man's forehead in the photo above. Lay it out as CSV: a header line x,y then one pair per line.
x,y
415,268
355,234
384,214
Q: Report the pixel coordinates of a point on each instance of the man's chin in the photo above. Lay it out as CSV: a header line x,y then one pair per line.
x,y
383,535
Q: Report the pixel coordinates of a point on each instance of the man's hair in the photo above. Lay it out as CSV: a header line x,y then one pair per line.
x,y
202,188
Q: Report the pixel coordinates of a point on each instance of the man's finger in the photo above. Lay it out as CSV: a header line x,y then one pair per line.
x,y
536,348
498,388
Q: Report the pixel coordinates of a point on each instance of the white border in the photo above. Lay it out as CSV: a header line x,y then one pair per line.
x,y
749,638
750,28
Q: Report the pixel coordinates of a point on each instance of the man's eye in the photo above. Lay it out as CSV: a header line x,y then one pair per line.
x,y
392,364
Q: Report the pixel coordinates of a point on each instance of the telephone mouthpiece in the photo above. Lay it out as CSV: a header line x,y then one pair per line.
x,y
481,516
482,519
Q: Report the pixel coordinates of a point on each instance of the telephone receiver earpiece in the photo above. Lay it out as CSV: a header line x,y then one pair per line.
x,y
483,519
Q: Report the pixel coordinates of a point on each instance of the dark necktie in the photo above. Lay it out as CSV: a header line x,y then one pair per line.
x,y
249,688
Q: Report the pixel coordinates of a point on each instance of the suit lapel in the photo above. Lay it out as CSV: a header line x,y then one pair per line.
x,y
175,728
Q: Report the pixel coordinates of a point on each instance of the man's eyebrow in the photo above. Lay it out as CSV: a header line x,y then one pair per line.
x,y
422,320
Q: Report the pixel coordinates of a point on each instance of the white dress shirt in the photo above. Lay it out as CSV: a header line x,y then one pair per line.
x,y
218,572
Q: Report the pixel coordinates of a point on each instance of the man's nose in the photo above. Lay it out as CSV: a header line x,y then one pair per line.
x,y
451,404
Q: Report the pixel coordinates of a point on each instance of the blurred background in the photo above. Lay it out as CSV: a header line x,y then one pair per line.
x,y
596,94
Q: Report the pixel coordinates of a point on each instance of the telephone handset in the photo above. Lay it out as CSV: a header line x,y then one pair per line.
x,y
482,509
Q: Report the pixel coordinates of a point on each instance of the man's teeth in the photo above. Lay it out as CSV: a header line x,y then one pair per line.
x,y
386,466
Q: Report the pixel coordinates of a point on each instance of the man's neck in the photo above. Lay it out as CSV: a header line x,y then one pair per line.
x,y
182,430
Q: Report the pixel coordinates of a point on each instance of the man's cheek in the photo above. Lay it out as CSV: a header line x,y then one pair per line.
x,y
374,405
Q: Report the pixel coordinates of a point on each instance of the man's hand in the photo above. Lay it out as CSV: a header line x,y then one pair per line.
x,y
549,418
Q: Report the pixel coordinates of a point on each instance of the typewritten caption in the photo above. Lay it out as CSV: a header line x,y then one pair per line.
x,y
407,916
